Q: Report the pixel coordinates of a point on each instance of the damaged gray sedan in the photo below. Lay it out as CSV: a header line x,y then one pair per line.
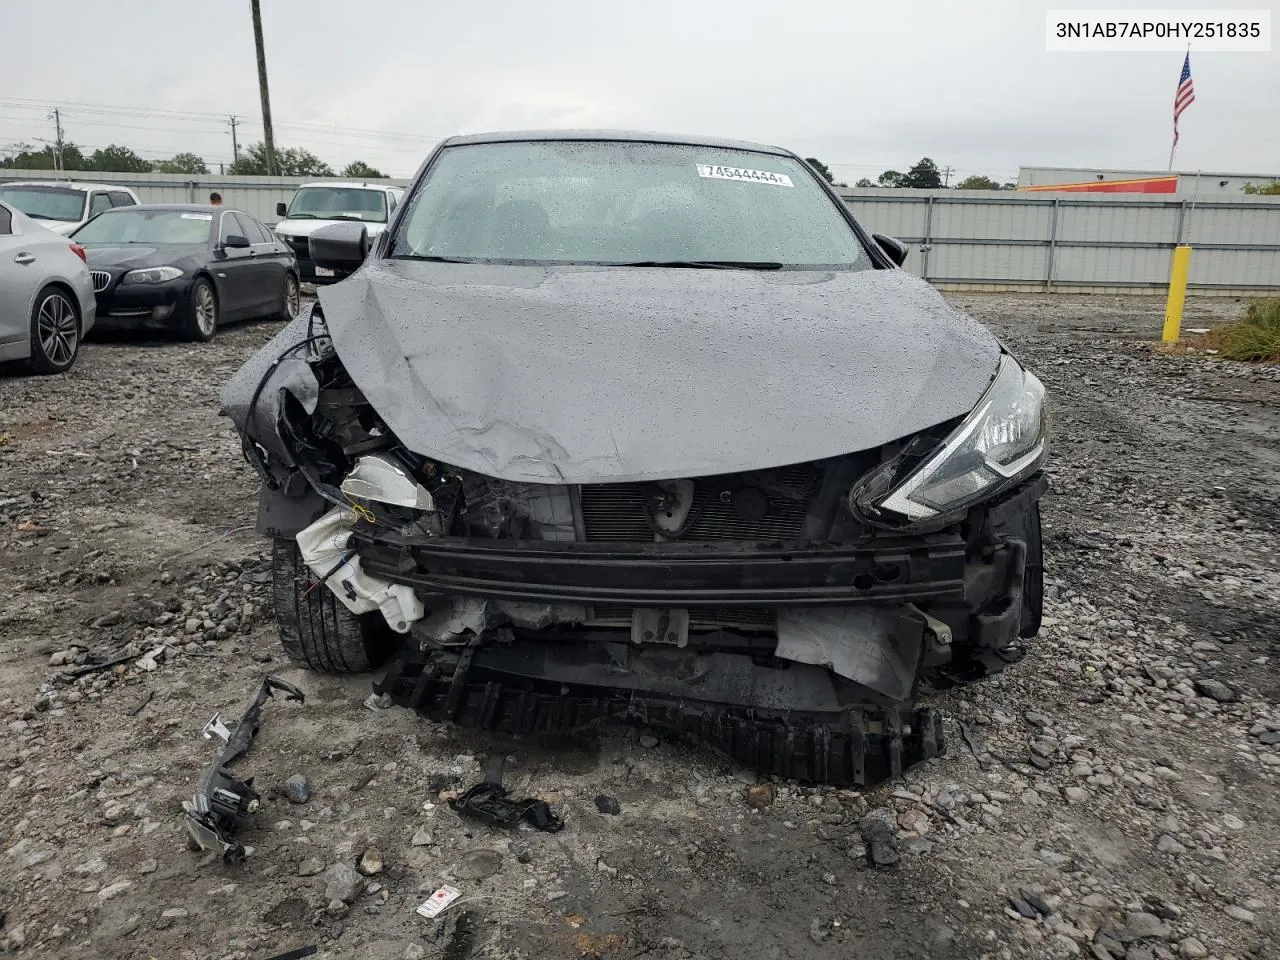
x,y
630,426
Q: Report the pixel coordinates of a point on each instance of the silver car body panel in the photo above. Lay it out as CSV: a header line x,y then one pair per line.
x,y
31,258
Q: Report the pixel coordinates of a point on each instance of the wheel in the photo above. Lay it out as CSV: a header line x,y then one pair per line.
x,y
316,630
292,298
201,321
55,331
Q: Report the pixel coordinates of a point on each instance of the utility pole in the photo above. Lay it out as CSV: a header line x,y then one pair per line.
x,y
56,117
268,137
235,144
946,176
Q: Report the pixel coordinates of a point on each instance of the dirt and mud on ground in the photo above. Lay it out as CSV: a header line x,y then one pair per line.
x,y
1112,796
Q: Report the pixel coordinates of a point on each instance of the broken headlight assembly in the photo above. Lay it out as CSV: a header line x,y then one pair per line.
x,y
382,479
1001,442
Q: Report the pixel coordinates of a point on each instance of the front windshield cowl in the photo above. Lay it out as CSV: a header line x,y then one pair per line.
x,y
625,203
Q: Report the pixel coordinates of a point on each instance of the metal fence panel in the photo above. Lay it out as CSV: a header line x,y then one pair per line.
x,y
973,238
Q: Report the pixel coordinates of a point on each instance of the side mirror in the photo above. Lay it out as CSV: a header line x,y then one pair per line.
x,y
896,250
282,209
340,247
233,241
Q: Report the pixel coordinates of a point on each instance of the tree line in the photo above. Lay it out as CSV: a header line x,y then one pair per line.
x,y
290,162
925,175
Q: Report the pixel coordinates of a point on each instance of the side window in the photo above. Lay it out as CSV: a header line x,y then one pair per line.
x,y
6,222
120,199
257,232
98,204
391,204
230,225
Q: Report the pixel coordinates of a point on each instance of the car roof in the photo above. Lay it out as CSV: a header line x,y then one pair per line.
x,y
185,208
362,185
65,185
635,136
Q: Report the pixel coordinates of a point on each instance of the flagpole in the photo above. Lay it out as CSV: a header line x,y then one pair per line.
x,y
1174,146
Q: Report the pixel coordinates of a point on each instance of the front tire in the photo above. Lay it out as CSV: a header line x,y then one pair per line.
x,y
316,630
55,331
201,321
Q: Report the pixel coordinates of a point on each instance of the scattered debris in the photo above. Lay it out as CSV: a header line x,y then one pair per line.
x,y
488,801
370,862
761,795
297,789
214,811
882,845
141,704
609,805
342,883
435,904
295,954
477,864
1216,690
422,838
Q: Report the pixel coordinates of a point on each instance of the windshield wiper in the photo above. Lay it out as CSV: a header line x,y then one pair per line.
x,y
706,264
40,216
301,216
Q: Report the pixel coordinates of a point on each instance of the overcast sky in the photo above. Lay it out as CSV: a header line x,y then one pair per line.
x,y
863,86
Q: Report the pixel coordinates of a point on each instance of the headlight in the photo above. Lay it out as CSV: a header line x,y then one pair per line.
x,y
383,480
1004,439
152,275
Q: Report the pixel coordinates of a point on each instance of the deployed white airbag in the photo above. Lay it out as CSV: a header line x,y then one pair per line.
x,y
324,545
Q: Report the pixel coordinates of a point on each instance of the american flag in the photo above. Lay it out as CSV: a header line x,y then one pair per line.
x,y
1185,96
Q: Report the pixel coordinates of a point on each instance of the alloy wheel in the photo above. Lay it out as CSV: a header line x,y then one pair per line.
x,y
292,297
58,329
206,310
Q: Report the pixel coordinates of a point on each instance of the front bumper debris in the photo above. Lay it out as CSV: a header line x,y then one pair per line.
x,y
214,811
798,722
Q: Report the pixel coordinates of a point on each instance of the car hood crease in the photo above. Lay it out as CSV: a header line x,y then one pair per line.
x,y
589,374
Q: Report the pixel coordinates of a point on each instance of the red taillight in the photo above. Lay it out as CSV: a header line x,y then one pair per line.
x,y
79,252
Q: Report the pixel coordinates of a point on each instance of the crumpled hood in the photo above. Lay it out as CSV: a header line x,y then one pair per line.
x,y
596,374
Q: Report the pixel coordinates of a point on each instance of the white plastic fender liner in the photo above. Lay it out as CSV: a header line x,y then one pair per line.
x,y
324,545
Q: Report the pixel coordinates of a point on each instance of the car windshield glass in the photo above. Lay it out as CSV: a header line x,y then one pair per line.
x,y
616,202
158,227
46,203
339,203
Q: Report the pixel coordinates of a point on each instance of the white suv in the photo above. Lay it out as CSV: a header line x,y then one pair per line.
x,y
318,204
62,205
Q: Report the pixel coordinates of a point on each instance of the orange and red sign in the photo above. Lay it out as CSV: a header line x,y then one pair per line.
x,y
1167,184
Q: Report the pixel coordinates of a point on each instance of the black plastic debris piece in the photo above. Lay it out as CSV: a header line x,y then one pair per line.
x,y
296,954
882,845
489,802
1024,909
1037,903
609,805
214,812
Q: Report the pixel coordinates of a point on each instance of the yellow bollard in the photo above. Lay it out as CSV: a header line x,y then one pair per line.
x,y
1177,293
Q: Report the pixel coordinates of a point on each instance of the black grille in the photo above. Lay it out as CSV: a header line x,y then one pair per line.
x,y
301,247
700,618
101,280
619,511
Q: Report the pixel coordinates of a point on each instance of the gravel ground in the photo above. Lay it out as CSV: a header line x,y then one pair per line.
x,y
1111,796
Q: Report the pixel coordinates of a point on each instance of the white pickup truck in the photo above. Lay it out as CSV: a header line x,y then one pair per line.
x,y
318,204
